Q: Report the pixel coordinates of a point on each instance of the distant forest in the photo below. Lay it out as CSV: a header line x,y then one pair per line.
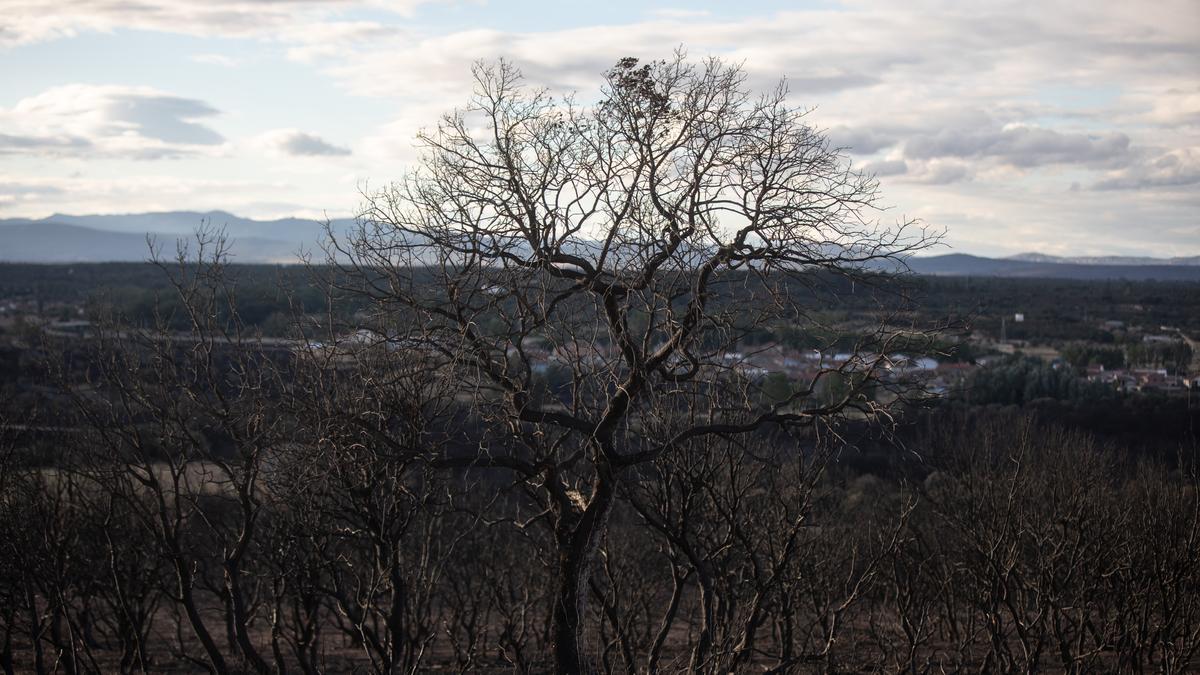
x,y
1053,308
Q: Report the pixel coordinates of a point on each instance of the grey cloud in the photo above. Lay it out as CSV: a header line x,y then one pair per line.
x,y
298,143
11,144
887,167
831,83
1024,147
18,194
943,174
1170,170
165,118
1134,181
861,141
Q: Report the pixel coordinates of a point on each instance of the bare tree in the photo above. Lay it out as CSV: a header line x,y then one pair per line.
x,y
180,425
369,418
626,245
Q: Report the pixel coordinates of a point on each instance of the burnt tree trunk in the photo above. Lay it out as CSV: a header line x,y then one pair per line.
x,y
578,536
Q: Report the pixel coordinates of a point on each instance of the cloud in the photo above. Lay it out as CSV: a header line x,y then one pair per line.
x,y
820,84
82,120
17,192
296,143
64,144
887,167
1175,169
439,65
1020,146
861,141
943,173
27,21
881,78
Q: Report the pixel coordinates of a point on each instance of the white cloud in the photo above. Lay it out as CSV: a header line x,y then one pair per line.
x,y
80,120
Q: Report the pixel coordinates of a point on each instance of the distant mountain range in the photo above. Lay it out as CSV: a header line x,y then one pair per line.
x,y
1103,259
61,243
123,238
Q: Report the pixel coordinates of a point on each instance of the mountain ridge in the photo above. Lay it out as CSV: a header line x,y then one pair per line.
x,y
123,238
42,242
1103,259
966,265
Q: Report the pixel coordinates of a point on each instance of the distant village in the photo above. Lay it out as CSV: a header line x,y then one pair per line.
x,y
1132,358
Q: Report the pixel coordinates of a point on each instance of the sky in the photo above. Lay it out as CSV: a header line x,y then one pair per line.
x,y
1062,127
